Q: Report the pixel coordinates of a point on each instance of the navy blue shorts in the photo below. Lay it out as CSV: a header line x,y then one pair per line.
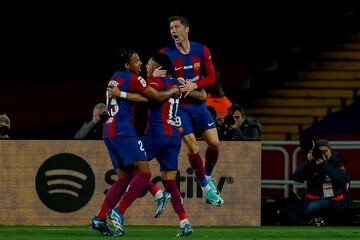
x,y
195,116
164,148
124,151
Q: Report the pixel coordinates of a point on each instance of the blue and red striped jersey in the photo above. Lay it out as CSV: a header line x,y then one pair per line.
x,y
121,111
195,66
163,119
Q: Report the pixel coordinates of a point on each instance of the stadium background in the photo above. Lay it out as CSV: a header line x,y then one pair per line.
x,y
57,58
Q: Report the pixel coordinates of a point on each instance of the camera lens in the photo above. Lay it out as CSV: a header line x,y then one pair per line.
x,y
104,116
4,130
317,153
229,120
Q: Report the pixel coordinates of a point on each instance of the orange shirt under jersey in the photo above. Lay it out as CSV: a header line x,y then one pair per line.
x,y
220,105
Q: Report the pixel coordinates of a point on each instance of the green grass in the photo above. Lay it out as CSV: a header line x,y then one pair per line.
x,y
203,233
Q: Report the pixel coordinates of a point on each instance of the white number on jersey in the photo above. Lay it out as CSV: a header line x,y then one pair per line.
x,y
173,119
114,108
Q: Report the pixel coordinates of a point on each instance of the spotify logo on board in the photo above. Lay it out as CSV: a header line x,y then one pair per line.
x,y
65,182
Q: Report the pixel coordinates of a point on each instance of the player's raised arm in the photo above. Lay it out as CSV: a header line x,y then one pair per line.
x,y
209,76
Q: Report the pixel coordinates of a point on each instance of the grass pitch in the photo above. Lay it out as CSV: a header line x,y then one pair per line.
x,y
162,232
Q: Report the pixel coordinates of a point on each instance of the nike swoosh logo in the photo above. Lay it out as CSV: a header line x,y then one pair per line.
x,y
210,124
178,68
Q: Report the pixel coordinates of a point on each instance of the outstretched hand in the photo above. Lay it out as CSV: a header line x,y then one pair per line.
x,y
158,72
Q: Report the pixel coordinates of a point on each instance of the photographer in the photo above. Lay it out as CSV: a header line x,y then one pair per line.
x,y
327,184
238,126
94,128
4,126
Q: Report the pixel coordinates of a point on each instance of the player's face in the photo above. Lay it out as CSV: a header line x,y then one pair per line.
x,y
178,31
134,64
150,67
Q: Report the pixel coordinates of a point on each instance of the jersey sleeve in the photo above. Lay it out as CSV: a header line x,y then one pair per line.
x,y
137,83
156,83
209,70
115,80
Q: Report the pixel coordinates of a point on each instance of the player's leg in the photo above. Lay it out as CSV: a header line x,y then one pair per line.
x,y
189,140
132,156
153,146
99,221
161,198
114,193
201,118
169,181
207,126
211,154
212,151
137,184
195,160
205,123
169,160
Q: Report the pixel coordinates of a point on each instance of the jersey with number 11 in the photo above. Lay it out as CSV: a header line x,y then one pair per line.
x,y
163,118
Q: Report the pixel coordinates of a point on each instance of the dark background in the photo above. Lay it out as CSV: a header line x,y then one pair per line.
x,y
57,58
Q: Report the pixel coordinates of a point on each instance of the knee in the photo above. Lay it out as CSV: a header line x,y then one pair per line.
x,y
214,145
141,167
192,146
168,175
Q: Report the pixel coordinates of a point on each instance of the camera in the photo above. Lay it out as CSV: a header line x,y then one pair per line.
x,y
229,120
4,130
317,153
307,145
104,116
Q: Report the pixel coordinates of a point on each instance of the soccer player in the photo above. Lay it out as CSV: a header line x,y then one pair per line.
x,y
125,148
162,139
192,62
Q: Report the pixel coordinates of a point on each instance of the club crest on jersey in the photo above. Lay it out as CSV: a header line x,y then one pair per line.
x,y
197,66
180,129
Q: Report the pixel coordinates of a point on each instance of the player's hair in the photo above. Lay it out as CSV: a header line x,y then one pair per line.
x,y
183,20
123,56
162,60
